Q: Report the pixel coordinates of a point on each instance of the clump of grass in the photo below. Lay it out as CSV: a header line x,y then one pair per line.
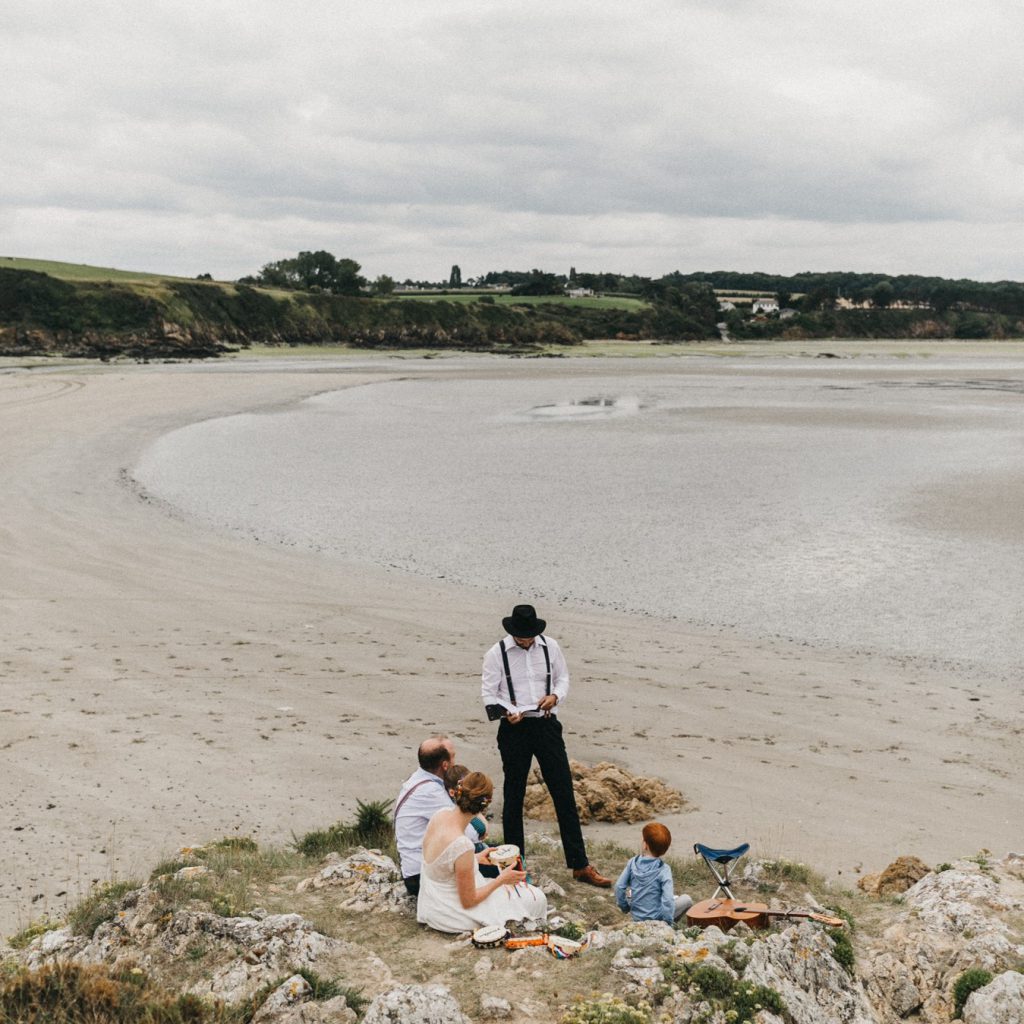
x,y
236,868
73,994
230,844
970,981
99,906
944,866
606,1009
372,827
33,931
570,930
169,867
782,870
324,989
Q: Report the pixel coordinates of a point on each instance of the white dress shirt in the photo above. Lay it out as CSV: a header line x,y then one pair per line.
x,y
414,815
529,674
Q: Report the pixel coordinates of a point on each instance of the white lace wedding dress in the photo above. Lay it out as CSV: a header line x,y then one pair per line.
x,y
439,907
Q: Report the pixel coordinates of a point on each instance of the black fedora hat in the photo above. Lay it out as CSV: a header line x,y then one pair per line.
x,y
523,622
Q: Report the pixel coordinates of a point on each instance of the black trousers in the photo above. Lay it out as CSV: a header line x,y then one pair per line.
x,y
518,745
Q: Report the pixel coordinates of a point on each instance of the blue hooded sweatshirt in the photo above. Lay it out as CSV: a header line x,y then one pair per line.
x,y
651,898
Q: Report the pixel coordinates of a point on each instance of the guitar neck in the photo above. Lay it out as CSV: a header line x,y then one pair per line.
x,y
834,922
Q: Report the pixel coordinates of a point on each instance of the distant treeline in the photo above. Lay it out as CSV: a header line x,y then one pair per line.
x,y
809,291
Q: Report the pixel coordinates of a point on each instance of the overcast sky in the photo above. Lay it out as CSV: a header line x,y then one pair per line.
x,y
645,137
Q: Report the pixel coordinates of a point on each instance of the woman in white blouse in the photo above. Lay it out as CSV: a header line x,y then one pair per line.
x,y
454,896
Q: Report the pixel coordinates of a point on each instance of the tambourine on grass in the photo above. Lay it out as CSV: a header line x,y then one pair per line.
x,y
490,937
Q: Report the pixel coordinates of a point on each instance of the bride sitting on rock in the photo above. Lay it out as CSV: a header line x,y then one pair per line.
x,y
454,896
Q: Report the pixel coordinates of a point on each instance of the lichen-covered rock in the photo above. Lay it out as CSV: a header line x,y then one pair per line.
x,y
495,1008
641,971
1001,1001
892,985
294,990
604,792
368,881
815,989
898,877
415,1004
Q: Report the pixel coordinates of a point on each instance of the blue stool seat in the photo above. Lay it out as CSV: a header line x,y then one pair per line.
x,y
720,856
718,862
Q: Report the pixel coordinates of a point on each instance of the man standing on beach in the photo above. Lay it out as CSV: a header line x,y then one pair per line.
x,y
525,673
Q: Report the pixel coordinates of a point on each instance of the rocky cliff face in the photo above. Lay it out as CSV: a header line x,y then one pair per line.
x,y
966,917
164,340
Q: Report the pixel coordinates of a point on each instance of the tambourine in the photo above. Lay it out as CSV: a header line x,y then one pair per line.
x,y
505,856
490,937
562,948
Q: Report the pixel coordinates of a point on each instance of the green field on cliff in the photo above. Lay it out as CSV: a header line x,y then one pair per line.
x,y
82,271
505,299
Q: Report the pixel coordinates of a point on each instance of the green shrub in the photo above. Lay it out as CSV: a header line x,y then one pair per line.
x,y
99,906
570,930
712,983
372,827
737,1000
842,948
606,1009
970,981
749,999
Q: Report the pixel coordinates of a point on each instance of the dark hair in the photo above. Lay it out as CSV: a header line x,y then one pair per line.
x,y
455,775
432,752
474,793
657,837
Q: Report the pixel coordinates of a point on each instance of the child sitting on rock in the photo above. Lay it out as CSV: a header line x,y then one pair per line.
x,y
645,886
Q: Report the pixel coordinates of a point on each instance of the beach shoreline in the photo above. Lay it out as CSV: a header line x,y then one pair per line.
x,y
165,685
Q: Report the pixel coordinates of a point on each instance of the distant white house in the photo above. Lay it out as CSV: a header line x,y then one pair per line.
x,y
725,307
764,305
579,293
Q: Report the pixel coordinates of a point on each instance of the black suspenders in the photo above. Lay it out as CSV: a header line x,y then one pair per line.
x,y
508,672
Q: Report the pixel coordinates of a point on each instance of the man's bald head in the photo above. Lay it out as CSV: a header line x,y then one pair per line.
x,y
436,754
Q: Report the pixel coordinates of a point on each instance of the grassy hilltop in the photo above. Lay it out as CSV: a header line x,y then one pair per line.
x,y
71,309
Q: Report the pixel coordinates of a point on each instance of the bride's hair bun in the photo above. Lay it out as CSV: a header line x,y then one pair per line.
x,y
474,792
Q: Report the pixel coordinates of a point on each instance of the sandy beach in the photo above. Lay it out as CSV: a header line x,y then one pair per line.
x,y
162,684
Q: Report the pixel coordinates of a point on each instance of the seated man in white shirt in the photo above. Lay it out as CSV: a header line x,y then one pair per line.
x,y
422,795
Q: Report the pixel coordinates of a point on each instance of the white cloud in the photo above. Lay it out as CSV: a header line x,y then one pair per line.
x,y
644,137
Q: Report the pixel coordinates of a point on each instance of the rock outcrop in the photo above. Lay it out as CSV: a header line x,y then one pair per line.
x,y
604,792
898,877
366,880
415,1004
948,922
906,966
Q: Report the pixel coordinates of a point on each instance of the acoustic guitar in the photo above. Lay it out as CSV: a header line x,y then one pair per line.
x,y
727,914
724,914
